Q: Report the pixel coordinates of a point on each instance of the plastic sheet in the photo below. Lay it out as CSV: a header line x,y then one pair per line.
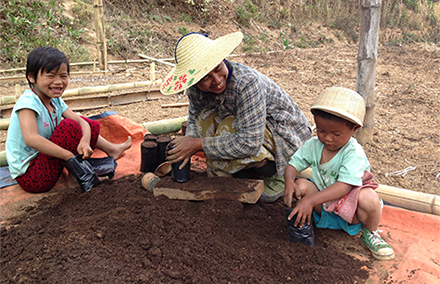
x,y
82,171
103,167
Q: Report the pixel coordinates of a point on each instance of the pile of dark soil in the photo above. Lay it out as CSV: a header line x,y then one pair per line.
x,y
120,233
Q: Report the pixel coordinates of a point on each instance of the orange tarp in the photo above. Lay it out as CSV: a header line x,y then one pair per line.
x,y
414,236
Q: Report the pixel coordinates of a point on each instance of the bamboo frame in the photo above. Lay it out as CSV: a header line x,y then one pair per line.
x,y
88,90
407,199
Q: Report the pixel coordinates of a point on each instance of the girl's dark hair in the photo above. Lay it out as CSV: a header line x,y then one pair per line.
x,y
46,59
326,115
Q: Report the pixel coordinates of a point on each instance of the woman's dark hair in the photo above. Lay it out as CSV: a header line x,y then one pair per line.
x,y
46,59
326,115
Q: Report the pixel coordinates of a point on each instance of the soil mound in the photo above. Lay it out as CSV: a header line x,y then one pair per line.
x,y
120,233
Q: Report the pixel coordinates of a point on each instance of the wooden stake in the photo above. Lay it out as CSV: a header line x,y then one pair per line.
x,y
366,71
100,34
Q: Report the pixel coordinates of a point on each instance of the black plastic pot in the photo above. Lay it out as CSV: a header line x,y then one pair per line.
x,y
148,156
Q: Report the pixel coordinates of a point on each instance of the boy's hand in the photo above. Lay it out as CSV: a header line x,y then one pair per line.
x,y
304,208
290,188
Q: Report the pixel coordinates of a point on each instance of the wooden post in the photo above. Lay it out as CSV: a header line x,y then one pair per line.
x,y
100,34
366,69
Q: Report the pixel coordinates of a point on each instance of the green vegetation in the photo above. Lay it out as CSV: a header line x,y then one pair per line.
x,y
130,29
244,14
29,24
182,30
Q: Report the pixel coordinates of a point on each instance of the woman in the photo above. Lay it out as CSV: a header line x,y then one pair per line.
x,y
246,124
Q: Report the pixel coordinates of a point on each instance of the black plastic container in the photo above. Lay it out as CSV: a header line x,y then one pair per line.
x,y
182,175
302,235
150,137
162,143
148,156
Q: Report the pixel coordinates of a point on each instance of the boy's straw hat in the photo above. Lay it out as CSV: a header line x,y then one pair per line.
x,y
342,102
196,55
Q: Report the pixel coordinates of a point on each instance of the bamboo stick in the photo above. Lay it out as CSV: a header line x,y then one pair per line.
x,y
109,88
72,74
8,100
4,123
175,105
92,63
3,162
407,199
156,60
91,90
164,126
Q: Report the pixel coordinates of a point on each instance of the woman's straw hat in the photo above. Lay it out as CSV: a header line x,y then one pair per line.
x,y
196,55
342,102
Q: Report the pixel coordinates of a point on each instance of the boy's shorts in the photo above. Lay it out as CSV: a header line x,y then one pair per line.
x,y
332,221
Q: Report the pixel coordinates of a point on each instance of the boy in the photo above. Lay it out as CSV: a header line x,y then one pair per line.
x,y
342,194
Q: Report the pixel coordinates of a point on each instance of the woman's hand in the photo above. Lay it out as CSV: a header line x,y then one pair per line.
x,y
186,146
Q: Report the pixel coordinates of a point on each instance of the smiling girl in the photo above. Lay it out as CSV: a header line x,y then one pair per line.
x,y
44,132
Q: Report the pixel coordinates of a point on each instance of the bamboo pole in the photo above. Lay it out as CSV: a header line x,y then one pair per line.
x,y
72,74
91,90
94,62
108,88
156,60
366,69
175,105
3,162
4,123
407,199
100,34
164,126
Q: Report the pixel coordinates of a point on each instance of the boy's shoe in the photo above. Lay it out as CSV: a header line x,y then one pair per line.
x,y
378,247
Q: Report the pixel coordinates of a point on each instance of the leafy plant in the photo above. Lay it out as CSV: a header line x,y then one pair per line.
x,y
285,41
187,18
182,30
244,14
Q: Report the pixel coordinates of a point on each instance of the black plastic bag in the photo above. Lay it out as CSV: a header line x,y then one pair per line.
x,y
103,167
82,171
302,235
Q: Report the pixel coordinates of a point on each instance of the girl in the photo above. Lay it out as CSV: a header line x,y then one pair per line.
x,y
39,140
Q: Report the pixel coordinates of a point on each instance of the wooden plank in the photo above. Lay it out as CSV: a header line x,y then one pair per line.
x,y
204,188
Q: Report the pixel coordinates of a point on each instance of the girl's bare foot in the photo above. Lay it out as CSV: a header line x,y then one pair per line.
x,y
118,149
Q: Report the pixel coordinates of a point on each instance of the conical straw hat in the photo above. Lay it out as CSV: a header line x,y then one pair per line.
x,y
196,55
342,102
